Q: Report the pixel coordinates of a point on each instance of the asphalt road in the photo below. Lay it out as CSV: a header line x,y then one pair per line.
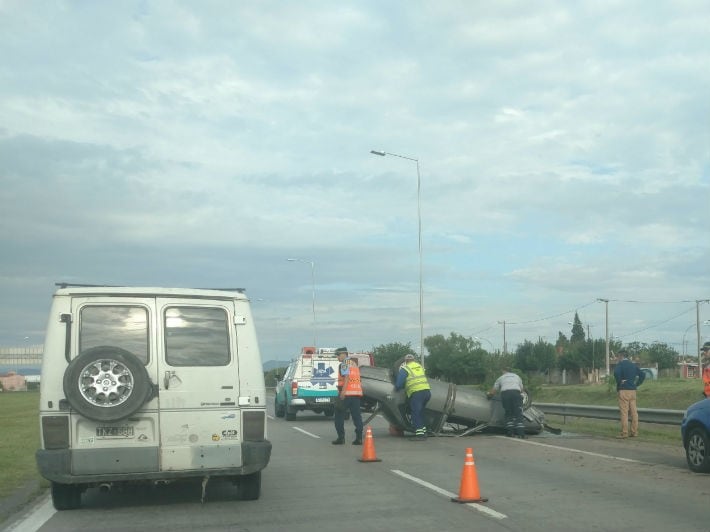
x,y
545,483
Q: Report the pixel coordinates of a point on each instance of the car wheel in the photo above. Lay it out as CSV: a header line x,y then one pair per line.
x,y
249,487
527,399
697,451
329,412
290,413
106,384
279,409
66,496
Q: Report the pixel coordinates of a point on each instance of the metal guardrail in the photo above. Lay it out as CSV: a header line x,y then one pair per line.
x,y
646,415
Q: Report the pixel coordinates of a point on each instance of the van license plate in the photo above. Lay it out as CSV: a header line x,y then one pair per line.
x,y
322,399
114,432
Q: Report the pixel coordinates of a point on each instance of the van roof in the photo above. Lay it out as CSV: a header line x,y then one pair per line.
x,y
69,289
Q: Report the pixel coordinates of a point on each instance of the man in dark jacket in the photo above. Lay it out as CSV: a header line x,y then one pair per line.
x,y
628,377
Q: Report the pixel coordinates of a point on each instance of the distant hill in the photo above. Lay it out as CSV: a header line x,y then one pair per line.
x,y
273,364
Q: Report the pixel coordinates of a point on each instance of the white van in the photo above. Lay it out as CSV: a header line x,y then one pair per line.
x,y
150,384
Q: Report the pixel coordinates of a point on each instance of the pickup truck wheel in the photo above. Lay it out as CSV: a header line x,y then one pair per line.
x,y
106,384
290,414
697,453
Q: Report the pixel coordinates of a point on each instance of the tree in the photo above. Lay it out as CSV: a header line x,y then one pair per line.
x,y
273,375
577,331
387,354
663,355
456,359
538,356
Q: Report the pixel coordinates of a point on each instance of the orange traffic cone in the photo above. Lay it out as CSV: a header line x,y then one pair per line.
x,y
468,491
368,448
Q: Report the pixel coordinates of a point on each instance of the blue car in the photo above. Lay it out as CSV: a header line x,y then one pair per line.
x,y
695,430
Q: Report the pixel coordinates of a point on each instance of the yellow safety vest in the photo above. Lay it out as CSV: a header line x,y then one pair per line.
x,y
416,378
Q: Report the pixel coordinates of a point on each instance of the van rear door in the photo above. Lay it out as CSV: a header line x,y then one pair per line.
x,y
199,385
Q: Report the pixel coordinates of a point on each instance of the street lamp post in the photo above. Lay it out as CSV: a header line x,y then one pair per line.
x,y
313,292
685,351
505,343
419,231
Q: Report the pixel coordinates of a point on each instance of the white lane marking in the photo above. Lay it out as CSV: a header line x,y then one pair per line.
x,y
440,491
557,447
39,515
306,432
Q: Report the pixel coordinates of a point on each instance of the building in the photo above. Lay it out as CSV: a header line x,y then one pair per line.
x,y
12,382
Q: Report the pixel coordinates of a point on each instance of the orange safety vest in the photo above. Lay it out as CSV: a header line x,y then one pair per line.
x,y
354,388
706,381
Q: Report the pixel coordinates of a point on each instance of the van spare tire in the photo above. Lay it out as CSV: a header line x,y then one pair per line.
x,y
107,383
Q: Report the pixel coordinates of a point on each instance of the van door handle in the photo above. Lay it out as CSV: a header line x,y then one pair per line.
x,y
166,379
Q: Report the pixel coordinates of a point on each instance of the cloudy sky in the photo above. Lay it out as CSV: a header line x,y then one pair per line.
x,y
563,150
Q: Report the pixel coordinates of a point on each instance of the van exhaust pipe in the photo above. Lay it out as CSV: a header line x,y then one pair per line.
x,y
105,487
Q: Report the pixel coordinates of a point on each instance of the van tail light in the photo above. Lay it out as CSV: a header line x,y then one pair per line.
x,y
55,432
294,388
253,426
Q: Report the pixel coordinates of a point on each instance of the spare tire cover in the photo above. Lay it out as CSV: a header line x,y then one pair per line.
x,y
106,383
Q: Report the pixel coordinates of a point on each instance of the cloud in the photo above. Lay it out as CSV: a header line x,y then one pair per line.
x,y
562,157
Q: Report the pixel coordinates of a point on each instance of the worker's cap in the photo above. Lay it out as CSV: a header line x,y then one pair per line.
x,y
341,350
409,356
706,346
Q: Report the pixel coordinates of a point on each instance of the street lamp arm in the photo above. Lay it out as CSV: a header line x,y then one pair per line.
x,y
383,153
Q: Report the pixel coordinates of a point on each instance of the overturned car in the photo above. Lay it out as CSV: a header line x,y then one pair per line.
x,y
460,410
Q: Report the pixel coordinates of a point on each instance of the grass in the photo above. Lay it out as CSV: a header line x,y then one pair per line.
x,y
667,394
19,419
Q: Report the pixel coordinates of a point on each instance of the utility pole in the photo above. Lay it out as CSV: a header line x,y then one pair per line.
x,y
697,330
505,344
606,303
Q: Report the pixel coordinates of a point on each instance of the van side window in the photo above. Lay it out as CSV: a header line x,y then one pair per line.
x,y
196,336
117,326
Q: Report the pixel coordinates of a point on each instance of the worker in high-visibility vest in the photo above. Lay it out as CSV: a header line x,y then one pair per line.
x,y
706,369
349,396
412,378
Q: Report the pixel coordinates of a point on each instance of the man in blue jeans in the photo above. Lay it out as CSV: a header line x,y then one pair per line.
x,y
412,378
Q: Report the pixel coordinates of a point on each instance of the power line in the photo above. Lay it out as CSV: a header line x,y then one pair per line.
x,y
550,317
691,309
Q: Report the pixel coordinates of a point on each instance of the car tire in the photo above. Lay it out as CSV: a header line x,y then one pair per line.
x,y
66,496
290,414
527,399
279,409
329,412
107,384
697,452
249,487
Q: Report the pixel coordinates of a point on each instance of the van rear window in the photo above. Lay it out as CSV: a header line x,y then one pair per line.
x,y
121,326
196,336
